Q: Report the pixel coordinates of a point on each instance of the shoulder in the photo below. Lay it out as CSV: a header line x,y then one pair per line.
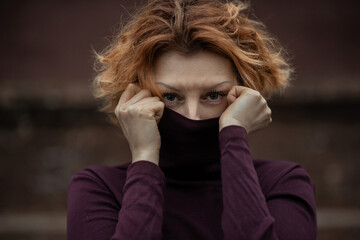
x,y
283,176
103,171
99,179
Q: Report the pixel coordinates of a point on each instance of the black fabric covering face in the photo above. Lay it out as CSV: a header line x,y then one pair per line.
x,y
189,148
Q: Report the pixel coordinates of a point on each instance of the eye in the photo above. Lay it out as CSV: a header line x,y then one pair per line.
x,y
215,96
171,98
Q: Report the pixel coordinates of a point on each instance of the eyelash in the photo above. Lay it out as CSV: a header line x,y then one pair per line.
x,y
221,94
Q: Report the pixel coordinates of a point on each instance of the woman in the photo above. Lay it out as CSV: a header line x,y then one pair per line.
x,y
186,81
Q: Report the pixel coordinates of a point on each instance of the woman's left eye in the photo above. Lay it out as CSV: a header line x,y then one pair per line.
x,y
215,96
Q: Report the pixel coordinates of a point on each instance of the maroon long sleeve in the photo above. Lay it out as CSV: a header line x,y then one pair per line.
x,y
207,186
286,210
136,212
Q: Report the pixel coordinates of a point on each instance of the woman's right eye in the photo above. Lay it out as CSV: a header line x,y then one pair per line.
x,y
171,98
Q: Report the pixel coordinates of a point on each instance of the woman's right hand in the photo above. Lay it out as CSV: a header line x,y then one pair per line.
x,y
138,114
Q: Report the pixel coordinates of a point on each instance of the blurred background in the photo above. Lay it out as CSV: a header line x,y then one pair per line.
x,y
50,127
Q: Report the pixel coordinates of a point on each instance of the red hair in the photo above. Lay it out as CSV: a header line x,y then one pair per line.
x,y
187,26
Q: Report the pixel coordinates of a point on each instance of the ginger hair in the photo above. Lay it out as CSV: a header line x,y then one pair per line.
x,y
188,26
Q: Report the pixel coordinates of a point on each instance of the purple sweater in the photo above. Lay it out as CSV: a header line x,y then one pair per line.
x,y
207,186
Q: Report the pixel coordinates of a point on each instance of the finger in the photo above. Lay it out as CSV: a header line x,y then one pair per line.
x,y
131,90
234,93
143,94
148,100
157,109
150,107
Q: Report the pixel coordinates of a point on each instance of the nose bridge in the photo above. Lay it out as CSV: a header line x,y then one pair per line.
x,y
192,109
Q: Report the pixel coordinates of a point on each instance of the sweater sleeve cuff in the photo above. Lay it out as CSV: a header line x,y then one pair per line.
x,y
232,132
145,168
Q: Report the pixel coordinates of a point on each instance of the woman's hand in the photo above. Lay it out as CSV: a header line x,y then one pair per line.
x,y
138,114
247,108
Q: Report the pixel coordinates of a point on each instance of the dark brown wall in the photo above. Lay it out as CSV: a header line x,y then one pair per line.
x,y
49,127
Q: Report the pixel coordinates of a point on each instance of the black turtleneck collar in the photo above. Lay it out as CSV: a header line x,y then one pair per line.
x,y
189,148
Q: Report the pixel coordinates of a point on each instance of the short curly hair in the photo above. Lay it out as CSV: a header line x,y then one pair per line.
x,y
188,26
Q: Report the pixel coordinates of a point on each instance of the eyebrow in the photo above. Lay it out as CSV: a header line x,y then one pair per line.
x,y
175,89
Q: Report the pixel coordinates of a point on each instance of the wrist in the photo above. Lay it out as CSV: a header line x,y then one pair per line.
x,y
150,156
230,123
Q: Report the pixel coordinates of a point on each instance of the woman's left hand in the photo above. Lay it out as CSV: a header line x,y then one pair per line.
x,y
247,108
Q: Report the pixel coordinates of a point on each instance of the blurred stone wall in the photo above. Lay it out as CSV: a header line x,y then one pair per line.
x,y
49,126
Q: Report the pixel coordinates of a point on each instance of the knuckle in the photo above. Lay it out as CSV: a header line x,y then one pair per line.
x,y
131,109
122,107
259,97
121,110
263,101
129,86
256,93
132,85
253,92
141,109
161,105
117,109
268,117
268,110
247,92
146,92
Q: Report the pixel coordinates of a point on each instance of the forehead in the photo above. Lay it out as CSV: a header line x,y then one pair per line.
x,y
197,70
